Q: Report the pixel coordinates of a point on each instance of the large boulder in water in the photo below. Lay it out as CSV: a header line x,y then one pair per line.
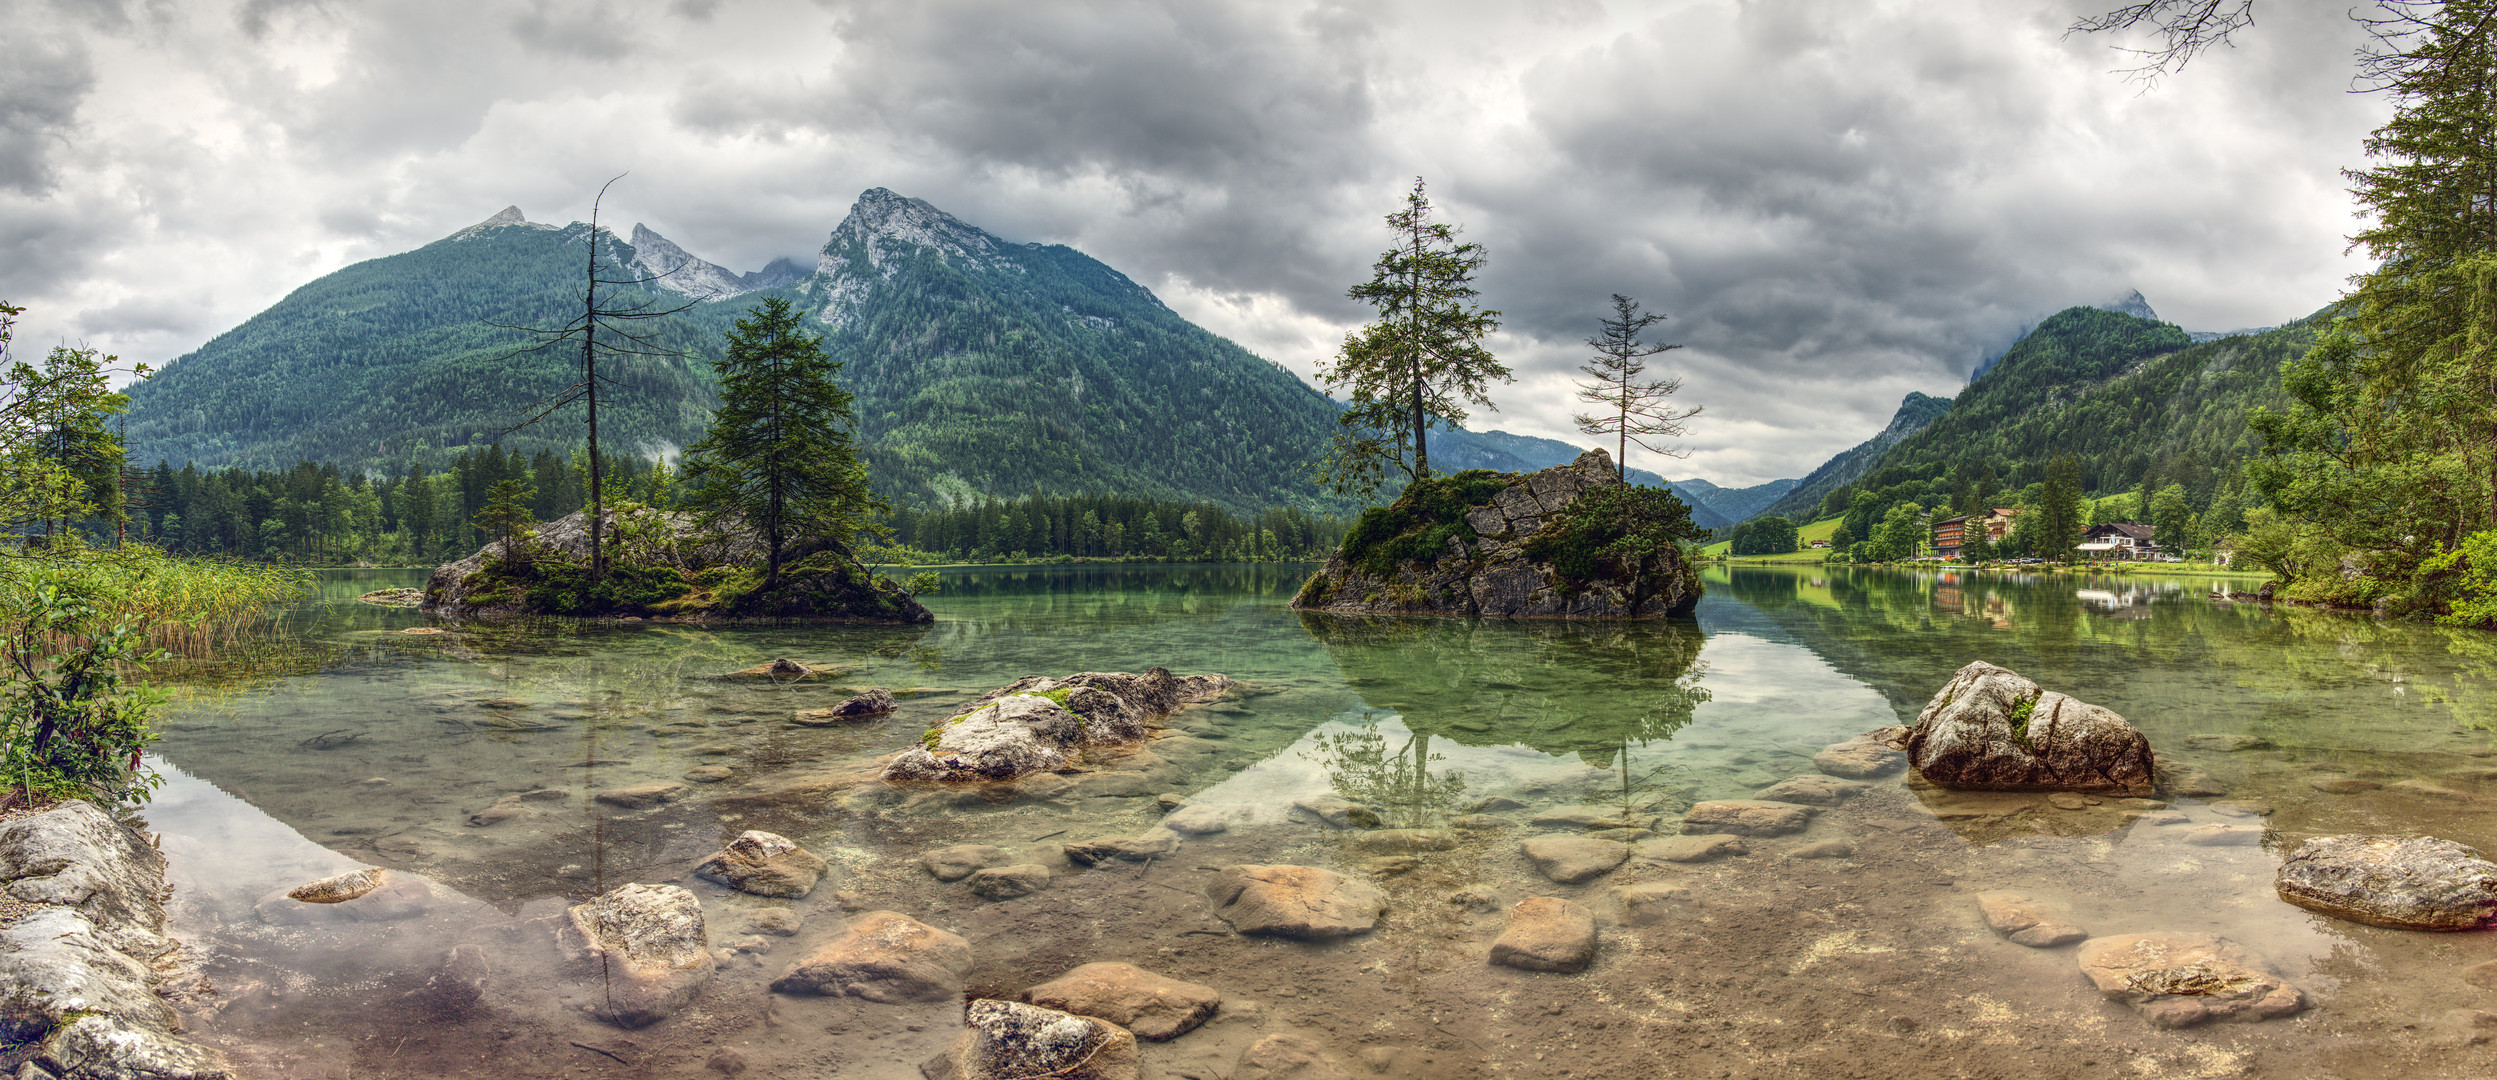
x,y
1040,724
1991,730
1008,1040
1504,544
2404,882
647,946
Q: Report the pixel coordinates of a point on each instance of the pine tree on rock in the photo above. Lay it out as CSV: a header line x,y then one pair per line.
x,y
1420,363
1631,407
781,457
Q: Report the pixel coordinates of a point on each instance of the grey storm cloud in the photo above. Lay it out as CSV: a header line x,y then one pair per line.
x,y
1836,201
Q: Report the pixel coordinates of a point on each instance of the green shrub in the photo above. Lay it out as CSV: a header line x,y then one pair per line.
x,y
69,726
1419,524
1609,530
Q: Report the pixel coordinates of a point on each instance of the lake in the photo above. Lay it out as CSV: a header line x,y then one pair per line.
x,y
1853,948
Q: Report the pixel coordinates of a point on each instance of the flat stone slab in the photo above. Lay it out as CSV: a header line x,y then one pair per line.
x,y
961,860
1197,820
1295,901
884,957
1546,933
1811,790
1745,817
1152,1006
1009,882
1150,844
2027,921
1572,859
764,864
1868,756
2403,882
1692,849
2180,980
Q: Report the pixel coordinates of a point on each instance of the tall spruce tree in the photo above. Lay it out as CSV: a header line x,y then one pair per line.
x,y
2058,510
1630,406
2389,445
1420,363
781,458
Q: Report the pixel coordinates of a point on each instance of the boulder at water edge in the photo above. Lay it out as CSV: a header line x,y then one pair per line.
x,y
884,957
2179,980
1038,724
1295,902
648,947
765,864
1992,730
1008,1040
2404,882
1152,1006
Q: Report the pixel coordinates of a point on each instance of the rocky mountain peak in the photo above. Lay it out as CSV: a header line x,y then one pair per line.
x,y
2132,303
509,215
882,219
678,271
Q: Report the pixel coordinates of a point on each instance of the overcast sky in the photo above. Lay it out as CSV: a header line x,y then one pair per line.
x,y
1835,201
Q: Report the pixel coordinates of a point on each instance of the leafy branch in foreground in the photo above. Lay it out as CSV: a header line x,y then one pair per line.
x,y
69,726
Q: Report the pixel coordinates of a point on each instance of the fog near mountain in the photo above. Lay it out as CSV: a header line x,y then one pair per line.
x,y
1838,203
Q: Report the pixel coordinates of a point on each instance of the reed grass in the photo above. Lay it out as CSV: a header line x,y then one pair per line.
x,y
186,606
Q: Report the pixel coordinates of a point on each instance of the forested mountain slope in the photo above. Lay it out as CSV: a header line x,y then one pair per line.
x,y
2132,399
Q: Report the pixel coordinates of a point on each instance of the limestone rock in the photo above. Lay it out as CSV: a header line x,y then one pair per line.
x,y
765,864
649,947
1485,569
1571,859
1008,882
1336,813
1690,849
338,888
884,957
2179,980
959,861
1119,708
1009,1040
1546,933
1745,817
2028,922
1150,844
1295,901
1152,1006
1810,790
876,701
1287,1057
1038,724
1868,756
2404,882
776,921
1989,729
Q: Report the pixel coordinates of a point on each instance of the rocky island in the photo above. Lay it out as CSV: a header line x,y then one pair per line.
x,y
1571,541
661,563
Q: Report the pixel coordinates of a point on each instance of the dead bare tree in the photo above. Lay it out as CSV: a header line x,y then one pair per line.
x,y
616,319
1635,407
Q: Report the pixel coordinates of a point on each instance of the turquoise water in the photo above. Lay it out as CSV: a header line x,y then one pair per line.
x,y
342,741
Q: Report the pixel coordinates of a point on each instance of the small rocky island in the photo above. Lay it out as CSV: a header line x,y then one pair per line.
x,y
662,564
1572,541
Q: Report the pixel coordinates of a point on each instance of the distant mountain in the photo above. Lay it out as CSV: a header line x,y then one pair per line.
x,y
1802,501
1736,505
981,367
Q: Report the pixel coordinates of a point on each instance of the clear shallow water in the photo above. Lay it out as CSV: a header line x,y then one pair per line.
x,y
343,742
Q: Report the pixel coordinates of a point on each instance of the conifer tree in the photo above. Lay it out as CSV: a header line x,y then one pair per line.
x,y
781,458
1420,363
1631,407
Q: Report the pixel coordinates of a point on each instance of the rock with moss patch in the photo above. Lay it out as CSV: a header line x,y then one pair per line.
x,y
1040,724
1989,729
1572,540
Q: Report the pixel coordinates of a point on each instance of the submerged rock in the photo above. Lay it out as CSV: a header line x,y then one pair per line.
x,y
875,702
1868,756
2403,882
1287,1057
2179,980
1039,724
642,797
1546,933
1989,729
1652,902
648,948
1498,557
1704,847
338,888
1198,820
959,861
1295,902
1150,844
765,864
1745,817
2028,922
1571,859
1009,882
1009,1040
1810,790
394,597
884,957
1152,1006
1337,813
